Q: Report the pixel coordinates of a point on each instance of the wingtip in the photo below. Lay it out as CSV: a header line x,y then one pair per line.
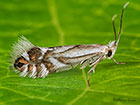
x,y
19,47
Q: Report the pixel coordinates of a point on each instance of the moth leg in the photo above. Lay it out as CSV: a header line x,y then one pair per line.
x,y
90,71
117,61
93,69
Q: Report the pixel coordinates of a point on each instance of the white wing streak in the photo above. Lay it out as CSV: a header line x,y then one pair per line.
x,y
81,50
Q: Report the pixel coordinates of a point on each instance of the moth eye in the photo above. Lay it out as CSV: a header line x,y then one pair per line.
x,y
109,53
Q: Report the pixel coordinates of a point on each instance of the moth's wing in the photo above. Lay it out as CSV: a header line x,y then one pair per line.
x,y
68,67
91,61
19,47
84,63
65,68
67,57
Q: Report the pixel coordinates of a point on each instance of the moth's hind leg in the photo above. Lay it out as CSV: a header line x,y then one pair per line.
x,y
93,69
89,73
117,61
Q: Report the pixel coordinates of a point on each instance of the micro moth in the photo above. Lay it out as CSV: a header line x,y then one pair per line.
x,y
38,62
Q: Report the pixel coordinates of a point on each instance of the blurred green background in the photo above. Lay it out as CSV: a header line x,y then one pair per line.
x,y
69,22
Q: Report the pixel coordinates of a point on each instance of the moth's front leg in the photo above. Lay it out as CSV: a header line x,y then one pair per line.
x,y
117,61
93,69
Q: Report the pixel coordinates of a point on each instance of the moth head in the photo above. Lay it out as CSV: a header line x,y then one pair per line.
x,y
111,49
112,46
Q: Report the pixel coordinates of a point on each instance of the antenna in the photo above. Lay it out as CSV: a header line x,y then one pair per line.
x,y
121,21
114,29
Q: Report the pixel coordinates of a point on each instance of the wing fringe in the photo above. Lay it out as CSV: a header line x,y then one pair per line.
x,y
22,45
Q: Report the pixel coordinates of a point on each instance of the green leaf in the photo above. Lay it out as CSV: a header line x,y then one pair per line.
x,y
70,22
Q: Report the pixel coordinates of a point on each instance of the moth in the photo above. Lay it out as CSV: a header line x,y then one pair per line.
x,y
37,62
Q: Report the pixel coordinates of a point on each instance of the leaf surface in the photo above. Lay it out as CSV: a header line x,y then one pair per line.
x,y
69,22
